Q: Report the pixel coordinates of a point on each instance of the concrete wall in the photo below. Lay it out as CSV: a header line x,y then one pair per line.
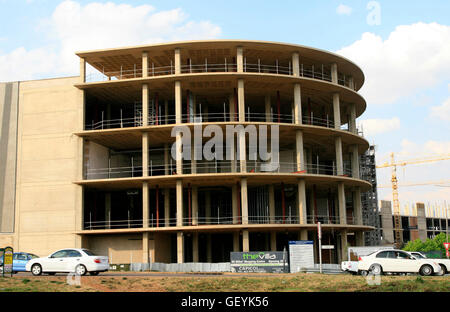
x,y
48,203
421,221
121,249
8,148
386,222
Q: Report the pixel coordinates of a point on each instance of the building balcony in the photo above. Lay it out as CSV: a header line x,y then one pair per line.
x,y
134,71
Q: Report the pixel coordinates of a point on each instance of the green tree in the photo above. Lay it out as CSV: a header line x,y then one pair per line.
x,y
435,244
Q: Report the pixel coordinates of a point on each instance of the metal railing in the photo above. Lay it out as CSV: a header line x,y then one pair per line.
x,y
162,119
308,71
211,220
212,167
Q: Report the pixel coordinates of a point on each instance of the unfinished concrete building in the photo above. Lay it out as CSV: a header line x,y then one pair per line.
x,y
94,167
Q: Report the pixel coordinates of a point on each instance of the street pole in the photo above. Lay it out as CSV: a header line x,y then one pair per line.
x,y
319,234
446,225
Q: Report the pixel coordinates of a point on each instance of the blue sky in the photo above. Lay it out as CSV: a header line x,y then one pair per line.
x,y
406,58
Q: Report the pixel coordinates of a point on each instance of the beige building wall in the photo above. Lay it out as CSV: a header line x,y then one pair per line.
x,y
8,147
119,248
386,222
48,203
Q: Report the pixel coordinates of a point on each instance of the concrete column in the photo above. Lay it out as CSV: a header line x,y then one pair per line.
x,y
303,234
339,159
298,104
299,150
351,83
166,111
144,64
234,203
244,201
208,248
145,104
357,206
178,103
145,204
245,241
334,73
342,207
231,107
195,247
178,120
336,111
166,160
145,157
355,161
241,100
151,249
272,203
352,121
360,238
208,207
193,161
177,61
242,152
108,210
167,207
302,212
82,69
273,241
268,106
180,247
179,203
236,242
344,255
233,161
145,249
194,205
240,59
296,64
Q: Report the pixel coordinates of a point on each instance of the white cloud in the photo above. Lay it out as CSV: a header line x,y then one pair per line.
x,y
373,127
413,57
411,149
441,112
75,27
342,9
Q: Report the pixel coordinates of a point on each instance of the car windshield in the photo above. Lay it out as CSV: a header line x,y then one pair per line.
x,y
88,252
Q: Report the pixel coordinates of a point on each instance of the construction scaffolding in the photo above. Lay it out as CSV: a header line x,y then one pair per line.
x,y
371,214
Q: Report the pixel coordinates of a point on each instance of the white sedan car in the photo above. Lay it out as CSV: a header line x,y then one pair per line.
x,y
396,261
79,261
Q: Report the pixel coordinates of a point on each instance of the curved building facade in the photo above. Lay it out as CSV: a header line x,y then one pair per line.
x,y
143,202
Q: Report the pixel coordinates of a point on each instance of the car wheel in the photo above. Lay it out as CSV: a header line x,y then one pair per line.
x,y
80,270
36,269
443,270
426,270
376,269
95,273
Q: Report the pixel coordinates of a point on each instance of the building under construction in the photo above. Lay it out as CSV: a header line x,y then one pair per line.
x,y
369,199
86,160
417,222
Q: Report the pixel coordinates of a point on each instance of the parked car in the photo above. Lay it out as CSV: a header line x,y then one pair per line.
x,y
79,261
396,261
20,259
444,263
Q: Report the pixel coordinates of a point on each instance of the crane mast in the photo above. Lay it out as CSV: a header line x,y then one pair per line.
x,y
396,204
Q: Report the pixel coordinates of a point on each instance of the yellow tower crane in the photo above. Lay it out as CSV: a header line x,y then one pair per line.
x,y
394,182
